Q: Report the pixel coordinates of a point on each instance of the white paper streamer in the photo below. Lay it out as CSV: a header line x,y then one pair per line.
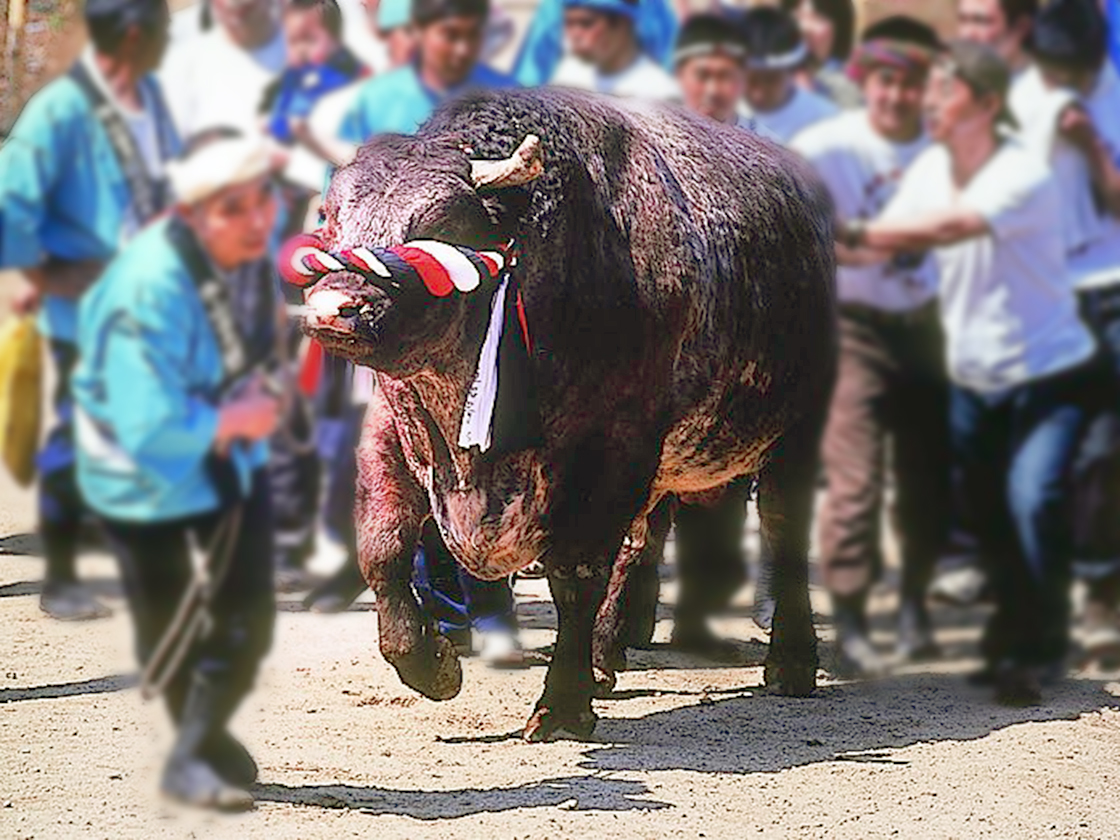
x,y
478,412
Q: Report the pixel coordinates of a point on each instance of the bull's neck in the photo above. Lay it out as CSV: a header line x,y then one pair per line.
x,y
443,394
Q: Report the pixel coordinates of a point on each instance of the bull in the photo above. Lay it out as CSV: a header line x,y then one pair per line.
x,y
677,278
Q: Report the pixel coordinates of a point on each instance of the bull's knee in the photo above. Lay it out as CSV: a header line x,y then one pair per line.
x,y
432,668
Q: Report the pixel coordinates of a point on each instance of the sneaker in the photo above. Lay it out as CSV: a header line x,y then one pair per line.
x,y
71,602
960,587
1100,635
500,648
763,613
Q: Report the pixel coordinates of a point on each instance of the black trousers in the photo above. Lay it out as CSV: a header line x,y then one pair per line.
x,y
711,565
155,566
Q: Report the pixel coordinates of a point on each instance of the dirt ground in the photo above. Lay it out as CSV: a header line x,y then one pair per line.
x,y
684,749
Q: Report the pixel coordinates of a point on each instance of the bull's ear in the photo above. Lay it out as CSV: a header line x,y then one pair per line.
x,y
523,166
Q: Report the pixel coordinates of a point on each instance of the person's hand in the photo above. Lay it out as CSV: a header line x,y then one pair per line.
x,y
251,417
27,299
1076,126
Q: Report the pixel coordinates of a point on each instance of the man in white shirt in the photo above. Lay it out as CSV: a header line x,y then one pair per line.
x,y
1005,26
1018,354
891,390
1070,47
775,50
606,55
218,79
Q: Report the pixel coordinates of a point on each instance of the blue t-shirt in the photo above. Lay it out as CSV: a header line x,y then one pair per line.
x,y
299,89
399,103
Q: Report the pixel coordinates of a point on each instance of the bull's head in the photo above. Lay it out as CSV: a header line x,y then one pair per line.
x,y
401,189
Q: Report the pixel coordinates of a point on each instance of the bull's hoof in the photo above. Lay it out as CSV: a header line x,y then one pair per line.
x,y
605,682
438,677
791,679
546,724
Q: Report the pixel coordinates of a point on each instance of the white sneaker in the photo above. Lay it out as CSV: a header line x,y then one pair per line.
x,y
959,586
499,647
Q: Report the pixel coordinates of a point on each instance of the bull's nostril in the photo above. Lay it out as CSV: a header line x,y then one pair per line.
x,y
348,311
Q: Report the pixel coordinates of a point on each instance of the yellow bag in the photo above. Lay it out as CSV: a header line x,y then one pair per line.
x,y
21,396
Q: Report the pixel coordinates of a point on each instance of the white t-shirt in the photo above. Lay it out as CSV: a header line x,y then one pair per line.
x,y
1080,219
801,110
1099,266
1009,313
1022,98
755,127
862,170
211,82
643,79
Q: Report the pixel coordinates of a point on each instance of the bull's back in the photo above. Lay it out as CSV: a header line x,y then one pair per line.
x,y
757,350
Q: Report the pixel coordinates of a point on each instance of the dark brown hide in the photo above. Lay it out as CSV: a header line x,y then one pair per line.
x,y
678,277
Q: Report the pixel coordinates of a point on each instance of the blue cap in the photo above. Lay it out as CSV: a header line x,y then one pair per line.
x,y
393,14
626,8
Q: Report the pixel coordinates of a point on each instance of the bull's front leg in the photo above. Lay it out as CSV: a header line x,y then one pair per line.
x,y
390,509
628,615
785,506
565,704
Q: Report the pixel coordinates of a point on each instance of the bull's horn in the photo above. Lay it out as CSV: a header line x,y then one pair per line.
x,y
519,168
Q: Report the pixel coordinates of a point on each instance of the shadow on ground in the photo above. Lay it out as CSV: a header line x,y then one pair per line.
x,y
100,587
860,722
21,544
749,732
99,685
577,793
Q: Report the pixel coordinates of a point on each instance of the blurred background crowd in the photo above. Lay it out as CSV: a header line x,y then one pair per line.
x,y
973,156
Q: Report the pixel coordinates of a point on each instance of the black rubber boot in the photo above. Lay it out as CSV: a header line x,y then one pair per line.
x,y
224,753
189,776
63,598
915,632
855,654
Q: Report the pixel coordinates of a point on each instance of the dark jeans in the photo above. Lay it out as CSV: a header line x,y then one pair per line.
x,y
890,403
452,596
1096,524
1015,451
155,565
60,504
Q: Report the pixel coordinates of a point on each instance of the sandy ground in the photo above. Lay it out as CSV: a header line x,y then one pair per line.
x,y
683,750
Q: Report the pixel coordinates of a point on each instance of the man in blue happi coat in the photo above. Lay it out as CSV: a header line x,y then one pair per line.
x,y
80,174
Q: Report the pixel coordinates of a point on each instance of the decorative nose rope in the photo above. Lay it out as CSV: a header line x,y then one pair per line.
x,y
500,410
442,268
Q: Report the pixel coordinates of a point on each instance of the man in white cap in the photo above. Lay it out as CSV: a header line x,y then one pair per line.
x,y
171,422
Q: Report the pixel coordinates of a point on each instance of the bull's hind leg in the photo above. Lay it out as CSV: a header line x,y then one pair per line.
x,y
565,704
785,507
390,508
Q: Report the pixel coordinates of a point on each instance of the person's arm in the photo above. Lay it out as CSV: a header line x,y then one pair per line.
x,y
932,229
336,152
859,257
157,415
1077,127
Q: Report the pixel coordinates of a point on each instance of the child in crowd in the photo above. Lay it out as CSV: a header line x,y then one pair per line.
x,y
318,64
